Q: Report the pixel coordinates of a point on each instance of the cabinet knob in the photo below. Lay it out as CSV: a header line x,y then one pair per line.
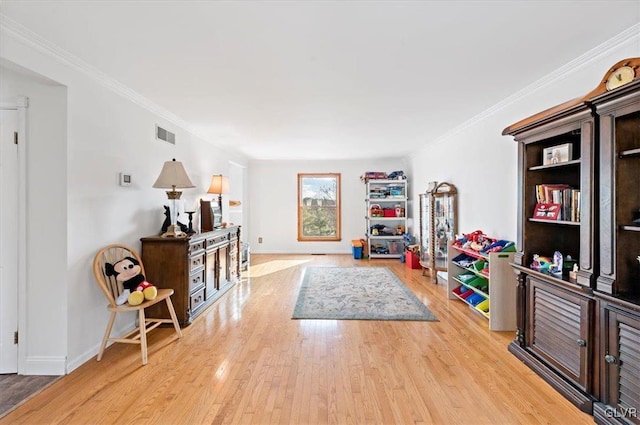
x,y
610,359
582,343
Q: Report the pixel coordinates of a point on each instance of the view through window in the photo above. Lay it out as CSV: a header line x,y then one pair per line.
x,y
319,207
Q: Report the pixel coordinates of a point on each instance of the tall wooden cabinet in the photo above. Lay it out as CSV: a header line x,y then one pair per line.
x,y
199,268
580,333
438,226
618,282
551,335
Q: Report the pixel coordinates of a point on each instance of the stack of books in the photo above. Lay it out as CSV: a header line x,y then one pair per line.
x,y
557,202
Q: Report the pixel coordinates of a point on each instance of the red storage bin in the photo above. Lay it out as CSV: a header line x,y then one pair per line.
x,y
411,260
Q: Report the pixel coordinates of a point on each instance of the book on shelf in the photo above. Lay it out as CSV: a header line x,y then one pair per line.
x,y
564,199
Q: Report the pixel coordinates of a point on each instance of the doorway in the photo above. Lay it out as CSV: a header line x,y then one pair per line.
x,y
12,229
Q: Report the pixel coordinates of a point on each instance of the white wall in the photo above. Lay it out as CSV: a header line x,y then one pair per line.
x,y
483,164
81,135
273,198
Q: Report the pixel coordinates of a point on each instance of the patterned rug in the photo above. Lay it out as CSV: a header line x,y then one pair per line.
x,y
360,293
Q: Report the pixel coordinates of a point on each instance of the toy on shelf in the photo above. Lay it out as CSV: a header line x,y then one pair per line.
x,y
478,241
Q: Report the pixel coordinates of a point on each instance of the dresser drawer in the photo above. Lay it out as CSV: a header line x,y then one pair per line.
x,y
197,246
196,299
196,280
217,241
196,262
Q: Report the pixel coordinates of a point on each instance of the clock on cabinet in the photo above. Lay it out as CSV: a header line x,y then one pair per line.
x,y
620,76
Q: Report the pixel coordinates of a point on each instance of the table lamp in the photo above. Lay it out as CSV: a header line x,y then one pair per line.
x,y
219,185
173,176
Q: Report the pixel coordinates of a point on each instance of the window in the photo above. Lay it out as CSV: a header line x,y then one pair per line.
x,y
319,207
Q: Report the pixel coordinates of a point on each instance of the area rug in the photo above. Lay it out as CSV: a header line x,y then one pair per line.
x,y
357,293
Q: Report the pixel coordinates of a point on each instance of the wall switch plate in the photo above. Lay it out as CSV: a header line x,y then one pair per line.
x,y
125,179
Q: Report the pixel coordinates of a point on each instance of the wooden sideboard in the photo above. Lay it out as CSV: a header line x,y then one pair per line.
x,y
199,268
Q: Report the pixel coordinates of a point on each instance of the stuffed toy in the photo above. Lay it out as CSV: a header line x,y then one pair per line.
x,y
136,288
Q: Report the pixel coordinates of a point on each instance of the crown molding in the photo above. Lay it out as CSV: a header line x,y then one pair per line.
x,y
631,34
29,38
37,42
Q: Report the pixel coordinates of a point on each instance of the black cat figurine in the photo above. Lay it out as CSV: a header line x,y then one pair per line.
x,y
167,222
167,219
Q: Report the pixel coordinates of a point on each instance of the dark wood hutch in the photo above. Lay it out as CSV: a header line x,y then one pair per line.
x,y
582,333
200,268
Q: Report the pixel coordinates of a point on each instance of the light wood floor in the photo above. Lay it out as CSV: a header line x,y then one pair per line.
x,y
246,361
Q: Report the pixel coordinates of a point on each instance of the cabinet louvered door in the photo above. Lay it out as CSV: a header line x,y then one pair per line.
x,y
558,330
622,365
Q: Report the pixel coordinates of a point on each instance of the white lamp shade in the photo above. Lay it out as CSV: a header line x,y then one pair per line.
x,y
219,185
172,176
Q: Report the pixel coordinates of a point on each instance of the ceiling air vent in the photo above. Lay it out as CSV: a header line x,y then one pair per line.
x,y
165,135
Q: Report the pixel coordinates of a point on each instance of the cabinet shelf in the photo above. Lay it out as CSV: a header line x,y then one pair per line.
x,y
560,222
473,288
561,165
631,153
387,199
384,255
480,273
472,253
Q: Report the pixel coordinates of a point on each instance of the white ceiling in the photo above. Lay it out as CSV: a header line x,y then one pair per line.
x,y
325,79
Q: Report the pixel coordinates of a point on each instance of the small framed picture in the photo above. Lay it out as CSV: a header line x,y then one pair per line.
x,y
557,154
547,211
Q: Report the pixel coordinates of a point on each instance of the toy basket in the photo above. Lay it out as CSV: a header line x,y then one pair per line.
x,y
376,211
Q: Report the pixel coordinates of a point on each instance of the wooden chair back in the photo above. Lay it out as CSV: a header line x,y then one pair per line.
x,y
111,254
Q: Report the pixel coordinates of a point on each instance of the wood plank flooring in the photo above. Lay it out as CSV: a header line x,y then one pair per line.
x,y
245,361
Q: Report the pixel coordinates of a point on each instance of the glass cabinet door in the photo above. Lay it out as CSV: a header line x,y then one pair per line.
x,y
425,230
443,222
438,225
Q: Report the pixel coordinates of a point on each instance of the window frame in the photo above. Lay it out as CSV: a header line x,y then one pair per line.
x,y
318,238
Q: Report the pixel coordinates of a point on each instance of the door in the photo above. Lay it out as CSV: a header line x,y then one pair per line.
x,y
211,274
621,364
558,329
8,241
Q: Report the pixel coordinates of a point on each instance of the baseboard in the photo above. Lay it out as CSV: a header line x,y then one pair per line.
x,y
91,354
43,365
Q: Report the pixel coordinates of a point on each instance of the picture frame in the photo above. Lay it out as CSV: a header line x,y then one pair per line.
x,y
557,154
547,211
210,215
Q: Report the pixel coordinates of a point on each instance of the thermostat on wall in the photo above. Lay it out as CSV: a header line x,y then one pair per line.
x,y
125,179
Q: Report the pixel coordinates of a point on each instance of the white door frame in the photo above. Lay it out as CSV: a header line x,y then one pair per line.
x,y
20,104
